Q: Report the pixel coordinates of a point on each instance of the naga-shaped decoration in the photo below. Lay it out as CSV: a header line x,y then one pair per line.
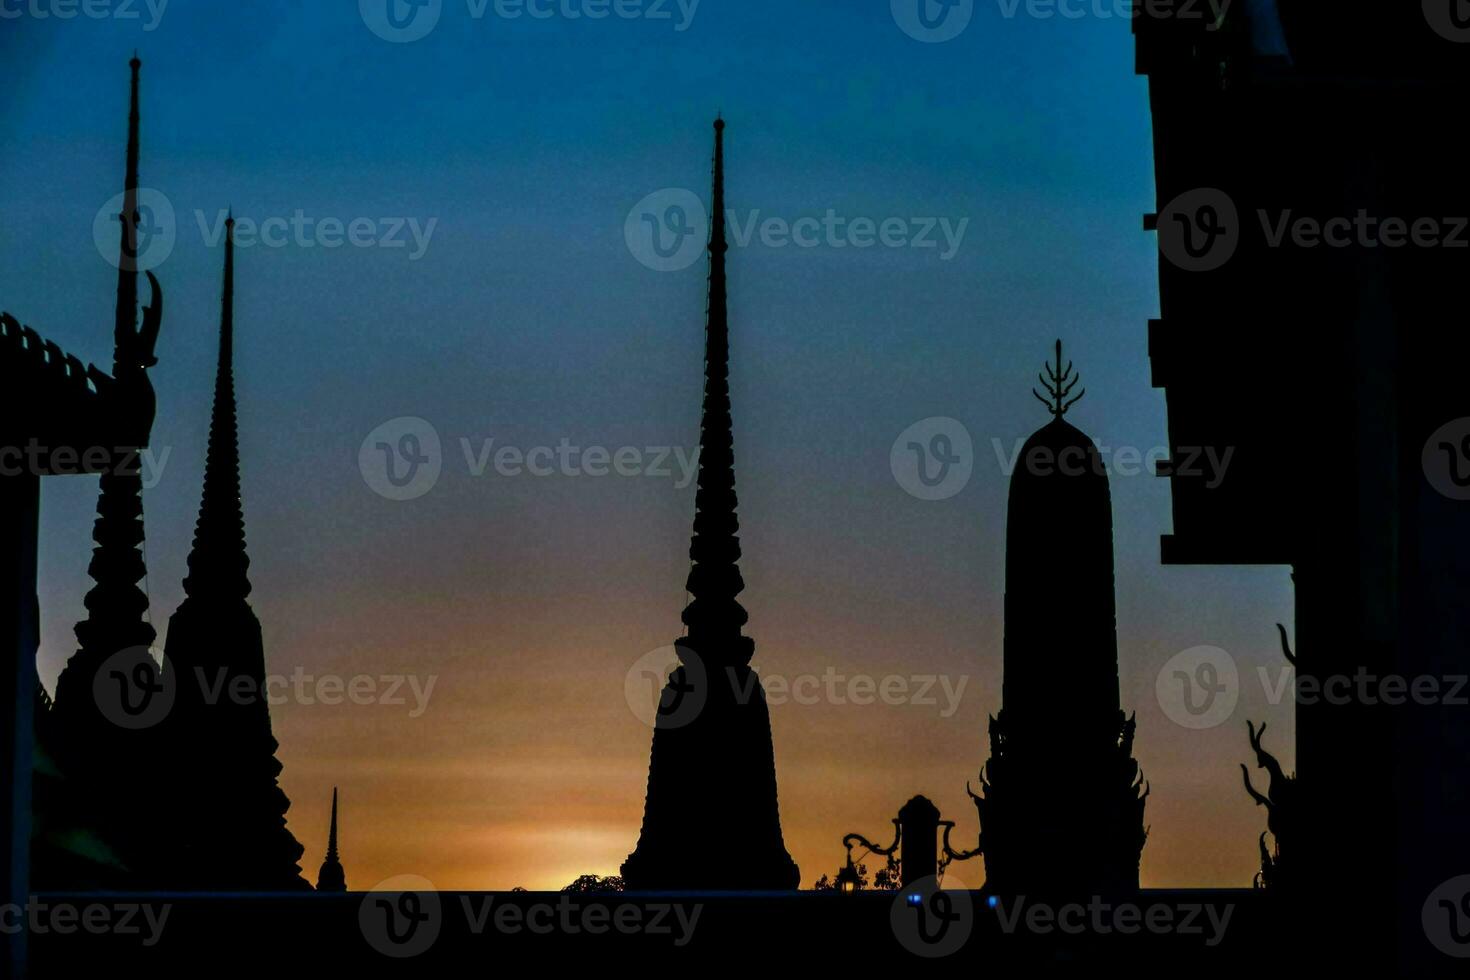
x,y
128,396
1280,803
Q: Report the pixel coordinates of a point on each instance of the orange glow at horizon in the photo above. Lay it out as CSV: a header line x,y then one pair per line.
x,y
496,786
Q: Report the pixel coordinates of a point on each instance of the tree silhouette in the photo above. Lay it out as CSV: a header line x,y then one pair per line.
x,y
592,884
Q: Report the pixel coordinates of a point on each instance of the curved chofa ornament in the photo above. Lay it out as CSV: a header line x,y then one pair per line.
x,y
1061,799
1280,803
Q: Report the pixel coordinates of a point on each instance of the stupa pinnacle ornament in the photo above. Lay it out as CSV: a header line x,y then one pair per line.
x,y
1059,382
228,815
331,877
1063,799
712,776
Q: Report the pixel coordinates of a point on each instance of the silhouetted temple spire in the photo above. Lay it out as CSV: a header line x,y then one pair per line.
x,y
218,563
1063,799
331,877
103,762
116,607
712,774
715,617
228,829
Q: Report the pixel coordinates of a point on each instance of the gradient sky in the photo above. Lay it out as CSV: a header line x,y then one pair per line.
x,y
529,320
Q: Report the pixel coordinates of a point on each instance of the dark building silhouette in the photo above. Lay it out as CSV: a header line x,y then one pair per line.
x,y
102,813
1329,364
227,824
1061,810
712,776
331,877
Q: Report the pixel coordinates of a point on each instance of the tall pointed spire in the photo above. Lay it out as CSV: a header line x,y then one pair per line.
x,y
218,563
715,617
712,771
331,877
116,607
215,643
104,763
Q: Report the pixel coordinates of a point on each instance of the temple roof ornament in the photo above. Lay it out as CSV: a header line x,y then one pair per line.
x,y
1059,383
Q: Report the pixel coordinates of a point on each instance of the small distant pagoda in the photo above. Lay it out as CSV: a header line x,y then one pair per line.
x,y
331,877
712,778
1063,799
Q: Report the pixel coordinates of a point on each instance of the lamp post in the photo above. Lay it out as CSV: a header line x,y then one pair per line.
x,y
848,879
916,828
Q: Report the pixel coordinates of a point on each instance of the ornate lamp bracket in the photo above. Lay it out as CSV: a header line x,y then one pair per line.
x,y
950,854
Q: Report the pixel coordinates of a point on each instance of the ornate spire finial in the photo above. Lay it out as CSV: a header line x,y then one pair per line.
x,y
1059,383
124,332
218,563
227,302
714,617
717,244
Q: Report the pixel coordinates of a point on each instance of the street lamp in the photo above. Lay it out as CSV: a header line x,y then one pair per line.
x,y
848,879
917,826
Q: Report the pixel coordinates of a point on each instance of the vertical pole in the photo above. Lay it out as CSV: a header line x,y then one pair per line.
x,y
19,634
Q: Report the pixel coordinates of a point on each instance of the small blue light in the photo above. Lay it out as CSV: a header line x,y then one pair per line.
x,y
915,899
992,901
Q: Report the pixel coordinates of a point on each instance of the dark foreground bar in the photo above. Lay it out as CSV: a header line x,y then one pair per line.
x,y
431,933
